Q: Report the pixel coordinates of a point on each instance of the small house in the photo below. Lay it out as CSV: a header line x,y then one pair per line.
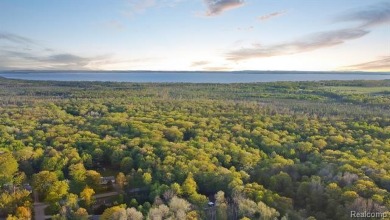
x,y
106,180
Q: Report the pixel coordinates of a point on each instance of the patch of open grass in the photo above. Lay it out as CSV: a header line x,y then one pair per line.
x,y
356,89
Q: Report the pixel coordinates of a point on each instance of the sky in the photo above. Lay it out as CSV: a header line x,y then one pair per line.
x,y
207,35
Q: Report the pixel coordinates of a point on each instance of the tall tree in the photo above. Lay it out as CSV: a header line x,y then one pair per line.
x,y
8,166
189,186
43,180
87,196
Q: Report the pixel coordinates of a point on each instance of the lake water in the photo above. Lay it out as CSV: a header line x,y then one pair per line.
x,y
194,77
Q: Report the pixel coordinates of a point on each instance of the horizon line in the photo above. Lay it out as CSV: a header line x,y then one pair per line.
x,y
194,71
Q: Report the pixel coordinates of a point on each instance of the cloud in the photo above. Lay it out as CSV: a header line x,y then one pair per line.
x,y
173,3
25,53
139,6
305,44
382,64
249,28
372,16
216,7
116,25
217,68
200,63
61,61
38,57
271,15
209,66
17,58
15,38
66,59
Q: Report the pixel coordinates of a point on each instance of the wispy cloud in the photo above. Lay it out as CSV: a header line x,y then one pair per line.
x,y
115,25
38,57
216,7
30,60
371,16
15,38
271,15
305,44
210,66
67,60
200,63
382,64
112,63
217,68
139,6
249,28
25,53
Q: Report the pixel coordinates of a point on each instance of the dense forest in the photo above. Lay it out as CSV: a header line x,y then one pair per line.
x,y
282,150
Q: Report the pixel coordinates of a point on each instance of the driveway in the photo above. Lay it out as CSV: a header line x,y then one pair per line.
x,y
39,210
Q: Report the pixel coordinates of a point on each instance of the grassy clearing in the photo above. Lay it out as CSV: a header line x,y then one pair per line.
x,y
357,89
